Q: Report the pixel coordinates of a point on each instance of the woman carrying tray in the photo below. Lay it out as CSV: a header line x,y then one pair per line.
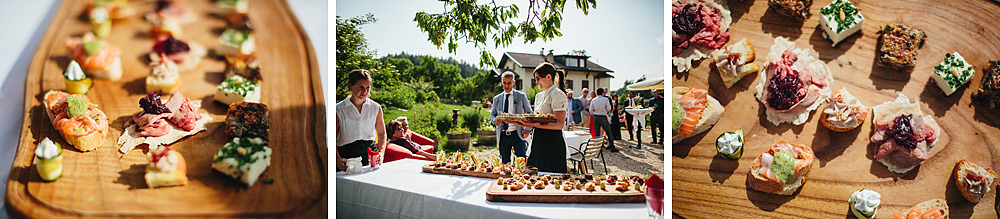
x,y
359,121
548,151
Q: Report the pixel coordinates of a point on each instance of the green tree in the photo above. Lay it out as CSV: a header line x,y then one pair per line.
x,y
579,52
480,24
402,66
353,53
444,76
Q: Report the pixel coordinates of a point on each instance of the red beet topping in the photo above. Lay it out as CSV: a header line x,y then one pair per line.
x,y
151,104
902,132
171,46
156,157
785,85
698,26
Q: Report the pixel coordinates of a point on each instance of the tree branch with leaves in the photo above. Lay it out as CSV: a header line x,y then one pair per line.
x,y
465,21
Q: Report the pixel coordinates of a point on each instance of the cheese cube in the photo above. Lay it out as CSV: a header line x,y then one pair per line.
x,y
244,159
233,42
839,20
238,89
952,73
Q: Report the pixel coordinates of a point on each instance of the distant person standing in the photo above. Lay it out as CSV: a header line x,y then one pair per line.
x,y
510,101
585,113
631,102
575,107
616,124
548,148
600,109
656,118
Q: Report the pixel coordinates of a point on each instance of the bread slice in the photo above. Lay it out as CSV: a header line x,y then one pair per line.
x,y
177,177
743,65
84,143
826,123
963,168
112,73
759,182
940,204
713,111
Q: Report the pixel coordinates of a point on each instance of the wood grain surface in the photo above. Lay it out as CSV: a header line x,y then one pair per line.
x,y
706,185
105,183
550,194
429,168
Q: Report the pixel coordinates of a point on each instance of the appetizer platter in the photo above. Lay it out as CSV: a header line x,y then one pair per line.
x,y
896,102
567,189
472,166
536,118
154,109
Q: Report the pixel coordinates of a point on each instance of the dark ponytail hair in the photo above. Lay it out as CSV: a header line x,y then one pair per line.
x,y
357,75
558,76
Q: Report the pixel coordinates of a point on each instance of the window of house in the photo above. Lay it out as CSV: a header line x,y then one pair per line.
x,y
569,84
585,84
574,62
517,84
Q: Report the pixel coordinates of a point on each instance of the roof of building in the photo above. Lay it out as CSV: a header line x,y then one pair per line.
x,y
528,60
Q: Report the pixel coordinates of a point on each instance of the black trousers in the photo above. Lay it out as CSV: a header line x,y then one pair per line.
x,y
656,122
629,126
601,122
508,142
356,149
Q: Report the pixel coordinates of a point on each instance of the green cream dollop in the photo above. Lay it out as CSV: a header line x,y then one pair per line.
x,y
783,166
677,117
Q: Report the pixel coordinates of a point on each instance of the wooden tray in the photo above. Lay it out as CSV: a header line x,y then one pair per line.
x,y
526,119
707,185
550,194
429,168
105,183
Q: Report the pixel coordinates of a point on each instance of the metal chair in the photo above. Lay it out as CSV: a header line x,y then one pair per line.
x,y
589,151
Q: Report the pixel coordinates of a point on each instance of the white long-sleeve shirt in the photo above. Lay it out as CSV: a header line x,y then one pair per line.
x,y
600,106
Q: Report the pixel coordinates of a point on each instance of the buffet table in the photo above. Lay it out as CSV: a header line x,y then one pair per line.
x,y
400,190
639,122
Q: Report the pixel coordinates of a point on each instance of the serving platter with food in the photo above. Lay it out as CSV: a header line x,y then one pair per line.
x,y
536,118
472,166
863,108
567,189
134,110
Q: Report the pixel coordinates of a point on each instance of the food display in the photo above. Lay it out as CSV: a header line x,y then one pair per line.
x,y
536,118
244,159
248,120
897,48
99,58
701,111
166,168
952,73
864,203
903,134
839,20
237,89
930,209
162,123
844,112
470,165
163,78
48,160
245,66
734,62
797,9
187,55
76,81
989,91
699,26
781,170
972,180
730,144
118,9
78,120
567,188
794,84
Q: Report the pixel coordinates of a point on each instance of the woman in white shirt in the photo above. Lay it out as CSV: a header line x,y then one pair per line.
x,y
359,121
548,152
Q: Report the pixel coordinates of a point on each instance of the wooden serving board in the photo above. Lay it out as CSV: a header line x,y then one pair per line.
x,y
706,185
526,119
550,194
429,168
105,183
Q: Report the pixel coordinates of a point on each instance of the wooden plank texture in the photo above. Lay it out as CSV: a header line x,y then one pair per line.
x,y
550,194
706,185
105,183
429,168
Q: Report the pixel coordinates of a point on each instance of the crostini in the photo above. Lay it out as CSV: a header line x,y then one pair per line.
x,y
973,181
782,169
701,111
78,120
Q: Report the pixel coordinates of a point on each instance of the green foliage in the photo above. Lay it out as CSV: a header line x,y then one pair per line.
x,y
578,52
458,130
353,53
469,22
465,69
443,122
443,76
531,93
395,96
471,120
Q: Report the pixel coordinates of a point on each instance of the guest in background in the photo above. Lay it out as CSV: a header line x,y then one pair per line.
x,y
585,113
616,124
656,118
510,101
396,133
576,107
600,109
359,121
548,148
629,103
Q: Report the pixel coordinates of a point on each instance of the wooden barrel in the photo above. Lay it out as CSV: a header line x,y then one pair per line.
x,y
487,137
459,141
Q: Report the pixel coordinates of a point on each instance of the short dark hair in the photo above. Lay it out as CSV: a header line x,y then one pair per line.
x,y
357,75
558,76
600,91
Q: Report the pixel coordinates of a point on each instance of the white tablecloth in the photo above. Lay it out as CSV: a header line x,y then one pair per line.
x,y
23,24
574,139
400,190
639,117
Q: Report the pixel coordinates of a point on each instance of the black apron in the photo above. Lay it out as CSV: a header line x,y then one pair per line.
x,y
548,151
357,148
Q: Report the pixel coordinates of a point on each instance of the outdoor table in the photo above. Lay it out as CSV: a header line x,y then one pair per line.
x,y
574,139
638,122
400,190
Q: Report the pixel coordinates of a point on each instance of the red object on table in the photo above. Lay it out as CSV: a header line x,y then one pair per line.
x,y
374,158
654,193
395,152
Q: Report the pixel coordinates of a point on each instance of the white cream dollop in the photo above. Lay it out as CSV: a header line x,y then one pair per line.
x,y
843,113
866,201
167,162
730,142
73,72
99,15
47,149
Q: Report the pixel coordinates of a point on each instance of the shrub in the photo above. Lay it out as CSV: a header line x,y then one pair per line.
x,y
396,96
471,120
443,122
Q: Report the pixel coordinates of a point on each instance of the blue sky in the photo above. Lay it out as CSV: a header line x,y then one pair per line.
x,y
626,36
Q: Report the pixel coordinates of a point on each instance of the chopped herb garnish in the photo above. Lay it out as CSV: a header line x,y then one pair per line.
x,y
269,181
